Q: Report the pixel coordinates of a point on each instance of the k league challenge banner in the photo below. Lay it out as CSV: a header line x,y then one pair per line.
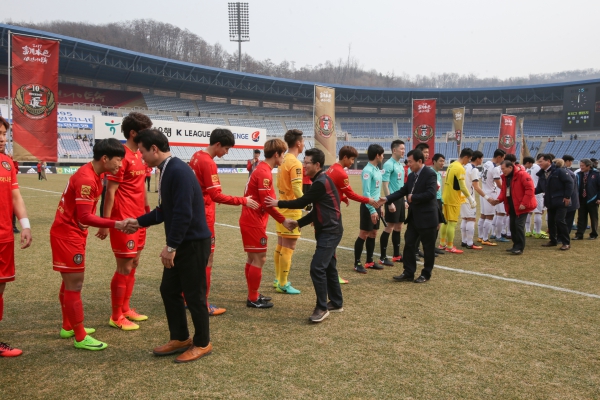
x,y
423,127
324,119
33,90
508,129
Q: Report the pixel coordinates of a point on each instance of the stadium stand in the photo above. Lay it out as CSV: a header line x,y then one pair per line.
x,y
369,129
274,128
155,102
305,126
221,108
204,120
277,112
161,117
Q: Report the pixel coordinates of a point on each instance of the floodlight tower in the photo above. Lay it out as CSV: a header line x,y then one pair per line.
x,y
239,27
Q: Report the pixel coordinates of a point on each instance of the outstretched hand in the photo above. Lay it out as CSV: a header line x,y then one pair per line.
x,y
290,224
251,203
271,202
128,226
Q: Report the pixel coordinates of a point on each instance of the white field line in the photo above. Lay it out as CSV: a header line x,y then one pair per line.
x,y
39,190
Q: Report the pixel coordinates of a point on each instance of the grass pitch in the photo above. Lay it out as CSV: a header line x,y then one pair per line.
x,y
457,336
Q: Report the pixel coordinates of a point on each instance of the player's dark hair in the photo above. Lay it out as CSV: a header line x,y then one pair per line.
x,y
476,155
568,157
5,123
374,150
510,157
292,137
223,136
274,146
317,156
528,160
135,121
395,144
416,155
508,164
256,151
347,151
436,156
551,155
466,152
109,148
499,152
153,137
421,146
539,156
548,157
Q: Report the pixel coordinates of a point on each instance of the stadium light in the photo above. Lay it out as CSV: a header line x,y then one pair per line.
x,y
239,27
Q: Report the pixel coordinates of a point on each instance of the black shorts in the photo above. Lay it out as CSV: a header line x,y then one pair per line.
x,y
396,216
365,219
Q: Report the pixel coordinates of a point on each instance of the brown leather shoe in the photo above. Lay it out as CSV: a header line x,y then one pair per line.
x,y
174,346
194,353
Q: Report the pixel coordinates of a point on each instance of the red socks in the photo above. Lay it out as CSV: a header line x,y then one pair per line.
x,y
118,287
208,273
61,297
129,290
1,305
74,311
253,278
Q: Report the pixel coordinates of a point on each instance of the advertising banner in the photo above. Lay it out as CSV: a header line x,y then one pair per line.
x,y
324,120
458,124
507,140
79,119
524,148
33,92
183,133
423,124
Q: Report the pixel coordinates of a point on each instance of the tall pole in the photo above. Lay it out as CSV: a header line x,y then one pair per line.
x,y
239,25
8,117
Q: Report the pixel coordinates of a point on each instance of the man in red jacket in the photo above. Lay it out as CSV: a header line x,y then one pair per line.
x,y
518,195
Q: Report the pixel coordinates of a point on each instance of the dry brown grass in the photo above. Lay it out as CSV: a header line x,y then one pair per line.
x,y
457,336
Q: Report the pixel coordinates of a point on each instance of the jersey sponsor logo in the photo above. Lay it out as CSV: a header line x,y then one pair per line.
x,y
6,165
214,178
267,183
263,241
423,132
78,258
86,190
376,184
7,179
130,244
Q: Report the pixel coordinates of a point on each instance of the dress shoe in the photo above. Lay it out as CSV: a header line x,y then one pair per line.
x,y
593,238
577,238
510,250
404,277
194,353
421,279
549,244
516,252
440,251
565,247
174,346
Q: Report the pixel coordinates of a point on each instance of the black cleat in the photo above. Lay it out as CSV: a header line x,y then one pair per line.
x,y
358,267
260,303
265,298
387,262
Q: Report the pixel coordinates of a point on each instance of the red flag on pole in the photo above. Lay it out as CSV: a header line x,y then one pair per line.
x,y
507,138
34,91
423,126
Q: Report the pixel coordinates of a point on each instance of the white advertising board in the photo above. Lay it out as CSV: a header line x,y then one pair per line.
x,y
68,118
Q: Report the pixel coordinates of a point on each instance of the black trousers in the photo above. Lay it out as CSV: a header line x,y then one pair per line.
x,y
585,210
569,219
323,271
427,237
148,182
188,275
557,226
517,230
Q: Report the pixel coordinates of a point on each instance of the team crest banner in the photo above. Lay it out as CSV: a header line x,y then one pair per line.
x,y
34,92
524,148
507,140
324,120
458,124
423,126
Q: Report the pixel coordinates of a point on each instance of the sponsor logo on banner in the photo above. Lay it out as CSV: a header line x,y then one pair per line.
x,y
255,136
423,124
112,126
507,141
325,126
324,122
423,133
35,101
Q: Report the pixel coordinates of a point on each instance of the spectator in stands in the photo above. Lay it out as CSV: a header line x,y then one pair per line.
x,y
254,162
589,188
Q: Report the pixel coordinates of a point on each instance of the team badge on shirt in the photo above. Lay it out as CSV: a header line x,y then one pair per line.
x,y
215,178
263,241
86,190
130,245
78,259
298,171
346,182
6,165
266,183
365,176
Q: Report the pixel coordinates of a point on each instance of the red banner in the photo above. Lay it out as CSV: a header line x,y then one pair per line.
x,y
33,90
507,138
423,126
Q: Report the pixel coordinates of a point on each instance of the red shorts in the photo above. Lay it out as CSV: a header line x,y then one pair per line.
x,y
127,246
254,239
68,255
210,221
7,261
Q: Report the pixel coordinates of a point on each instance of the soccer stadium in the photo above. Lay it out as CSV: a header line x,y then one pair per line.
x,y
487,325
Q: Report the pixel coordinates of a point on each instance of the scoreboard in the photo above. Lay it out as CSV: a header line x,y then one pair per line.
x,y
581,108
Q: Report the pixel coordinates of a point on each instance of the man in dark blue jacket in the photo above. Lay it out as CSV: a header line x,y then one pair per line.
x,y
327,220
589,188
185,255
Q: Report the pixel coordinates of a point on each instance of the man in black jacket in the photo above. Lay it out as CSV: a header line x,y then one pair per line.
x,y
327,220
185,255
423,216
589,188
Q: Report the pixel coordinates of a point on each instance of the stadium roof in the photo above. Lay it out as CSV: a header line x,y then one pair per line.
x,y
94,61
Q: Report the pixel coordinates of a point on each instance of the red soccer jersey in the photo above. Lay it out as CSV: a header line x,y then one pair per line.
x,y
84,187
205,169
8,183
342,183
130,198
260,186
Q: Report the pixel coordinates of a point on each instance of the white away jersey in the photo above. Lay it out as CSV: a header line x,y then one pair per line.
x,y
533,173
489,173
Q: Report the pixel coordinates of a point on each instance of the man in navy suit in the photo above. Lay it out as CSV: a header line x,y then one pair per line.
x,y
423,216
589,188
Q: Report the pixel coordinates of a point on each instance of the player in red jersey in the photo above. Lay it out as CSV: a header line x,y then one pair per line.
x,y
10,202
68,235
203,165
339,176
126,198
253,223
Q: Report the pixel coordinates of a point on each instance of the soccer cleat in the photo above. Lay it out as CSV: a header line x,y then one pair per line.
x,y
386,262
489,243
214,310
369,264
397,259
493,237
123,324
479,240
260,303
342,280
7,351
453,250
463,244
134,316
541,235
65,334
358,267
528,234
275,283
503,240
474,247
442,247
374,265
265,298
287,289
89,343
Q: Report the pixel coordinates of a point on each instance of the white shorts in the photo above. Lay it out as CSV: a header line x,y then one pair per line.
x,y
486,207
500,208
467,212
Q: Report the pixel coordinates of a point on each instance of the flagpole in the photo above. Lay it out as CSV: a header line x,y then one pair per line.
x,y
8,117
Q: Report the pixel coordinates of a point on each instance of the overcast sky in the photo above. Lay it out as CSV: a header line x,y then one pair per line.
x,y
489,38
